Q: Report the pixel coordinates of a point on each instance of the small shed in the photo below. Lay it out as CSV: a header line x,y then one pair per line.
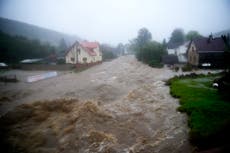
x,y
170,59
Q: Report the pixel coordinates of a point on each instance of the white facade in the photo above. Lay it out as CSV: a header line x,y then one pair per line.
x,y
180,52
171,51
82,55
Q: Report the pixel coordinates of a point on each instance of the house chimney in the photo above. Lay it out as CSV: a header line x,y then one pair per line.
x,y
210,38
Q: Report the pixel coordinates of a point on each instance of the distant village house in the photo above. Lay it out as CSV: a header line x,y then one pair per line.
x,y
84,53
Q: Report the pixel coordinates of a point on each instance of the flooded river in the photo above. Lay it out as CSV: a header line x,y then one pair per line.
x,y
119,106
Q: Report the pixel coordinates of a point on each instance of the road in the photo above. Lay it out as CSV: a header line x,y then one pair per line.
x,y
133,93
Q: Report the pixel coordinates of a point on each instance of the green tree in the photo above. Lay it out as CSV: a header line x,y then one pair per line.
x,y
108,52
164,44
177,36
16,48
193,35
152,53
146,50
144,36
120,49
62,45
226,39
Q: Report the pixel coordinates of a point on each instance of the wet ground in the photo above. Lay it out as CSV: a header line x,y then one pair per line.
x,y
119,106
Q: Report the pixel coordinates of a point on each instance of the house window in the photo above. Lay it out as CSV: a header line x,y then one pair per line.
x,y
72,59
175,52
84,59
79,51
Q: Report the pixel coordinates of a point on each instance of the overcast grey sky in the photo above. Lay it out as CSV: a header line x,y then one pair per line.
x,y
114,21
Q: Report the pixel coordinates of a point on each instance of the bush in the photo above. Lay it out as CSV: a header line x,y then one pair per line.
x,y
176,68
156,64
15,66
61,61
107,55
187,68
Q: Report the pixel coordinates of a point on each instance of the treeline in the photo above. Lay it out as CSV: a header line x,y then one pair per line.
x,y
110,52
16,48
150,52
147,50
179,37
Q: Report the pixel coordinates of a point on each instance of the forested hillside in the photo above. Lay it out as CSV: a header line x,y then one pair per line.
x,y
224,32
16,48
32,32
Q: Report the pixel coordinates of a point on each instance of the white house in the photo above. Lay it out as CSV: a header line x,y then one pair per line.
x,y
83,53
178,50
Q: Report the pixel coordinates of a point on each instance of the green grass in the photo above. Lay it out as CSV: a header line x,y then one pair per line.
x,y
208,114
2,71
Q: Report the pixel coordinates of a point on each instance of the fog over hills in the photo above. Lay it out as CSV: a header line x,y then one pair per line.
x,y
29,31
224,32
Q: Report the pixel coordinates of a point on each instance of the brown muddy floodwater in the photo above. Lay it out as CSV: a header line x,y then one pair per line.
x,y
119,106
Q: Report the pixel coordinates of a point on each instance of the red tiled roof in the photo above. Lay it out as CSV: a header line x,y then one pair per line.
x,y
90,51
89,46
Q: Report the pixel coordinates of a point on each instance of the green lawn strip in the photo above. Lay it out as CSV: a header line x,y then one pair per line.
x,y
2,71
208,114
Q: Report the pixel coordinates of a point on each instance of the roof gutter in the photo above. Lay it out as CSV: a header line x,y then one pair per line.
x,y
210,51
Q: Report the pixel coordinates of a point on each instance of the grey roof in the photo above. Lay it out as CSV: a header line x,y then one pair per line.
x,y
209,45
172,45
